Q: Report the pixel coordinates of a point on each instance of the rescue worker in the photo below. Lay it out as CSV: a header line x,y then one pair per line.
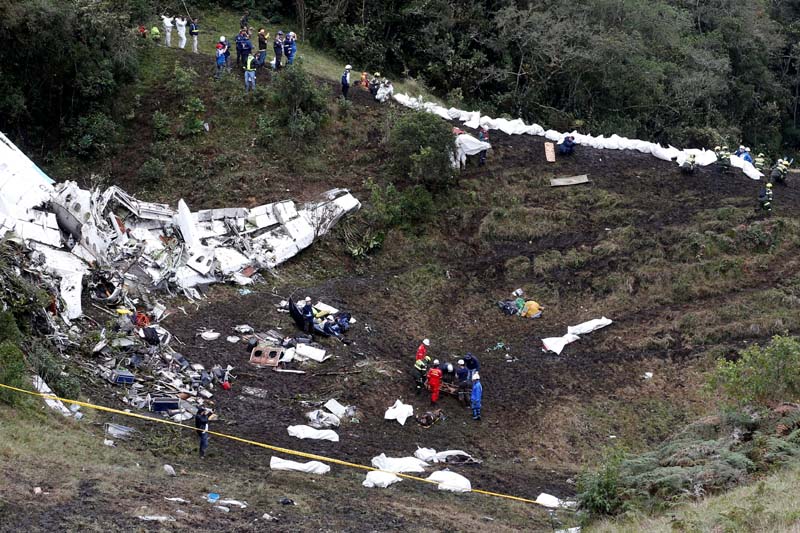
x,y
765,199
194,31
420,372
422,351
472,364
331,327
243,47
717,152
290,47
483,135
180,25
277,47
167,22
448,372
689,166
155,34
435,381
250,72
476,398
739,151
746,156
375,84
464,383
724,159
220,60
308,315
346,80
201,423
226,51
778,173
262,47
760,162
567,146
364,81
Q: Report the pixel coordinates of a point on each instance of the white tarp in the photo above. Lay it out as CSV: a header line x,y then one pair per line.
x,y
399,411
311,467
41,386
380,479
307,432
432,456
548,500
399,464
556,344
468,145
450,481
474,120
336,408
589,326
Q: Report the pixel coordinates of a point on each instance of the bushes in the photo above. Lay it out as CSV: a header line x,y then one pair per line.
x,y
265,130
299,105
599,491
94,135
761,374
423,149
152,170
392,207
12,372
192,118
161,126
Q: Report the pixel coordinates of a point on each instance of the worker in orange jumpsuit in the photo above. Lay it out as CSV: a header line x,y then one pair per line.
x,y
435,381
422,351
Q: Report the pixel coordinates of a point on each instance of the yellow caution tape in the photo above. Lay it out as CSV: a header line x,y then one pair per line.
x,y
254,443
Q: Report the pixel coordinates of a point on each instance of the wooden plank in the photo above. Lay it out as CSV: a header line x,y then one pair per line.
x,y
550,152
572,180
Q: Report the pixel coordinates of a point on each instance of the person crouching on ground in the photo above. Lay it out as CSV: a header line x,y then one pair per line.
x,y
476,396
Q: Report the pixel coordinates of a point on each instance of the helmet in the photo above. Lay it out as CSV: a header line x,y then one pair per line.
x,y
222,39
435,361
348,67
426,342
461,362
377,74
475,376
725,148
741,147
717,148
769,185
449,367
427,359
760,154
308,298
280,32
747,149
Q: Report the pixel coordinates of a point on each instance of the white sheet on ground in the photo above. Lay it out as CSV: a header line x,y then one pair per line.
x,y
41,386
468,145
556,344
450,481
336,408
589,326
380,479
432,456
548,500
399,464
307,432
399,411
321,419
311,467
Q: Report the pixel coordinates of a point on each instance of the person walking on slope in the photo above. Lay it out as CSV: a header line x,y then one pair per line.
x,y
346,81
277,47
483,136
250,73
420,372
220,61
765,199
422,351
476,396
262,47
180,25
201,423
194,31
241,56
167,21
435,381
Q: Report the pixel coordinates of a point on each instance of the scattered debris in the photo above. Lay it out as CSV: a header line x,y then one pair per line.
x,y
109,442
310,467
267,516
399,464
232,339
286,501
169,470
336,408
212,497
450,481
550,501
550,152
210,335
177,500
319,419
37,491
41,386
400,412
448,456
572,180
307,432
648,375
156,518
237,503
222,508
380,479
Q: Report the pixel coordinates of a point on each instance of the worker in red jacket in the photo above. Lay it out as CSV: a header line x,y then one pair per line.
x,y
422,351
435,381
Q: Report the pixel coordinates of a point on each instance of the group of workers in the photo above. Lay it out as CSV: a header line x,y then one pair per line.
x,y
252,60
179,23
464,375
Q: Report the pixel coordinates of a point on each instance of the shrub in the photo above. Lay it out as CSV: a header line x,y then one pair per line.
x,y
423,149
391,207
94,135
265,130
192,118
152,170
298,104
162,128
9,332
181,82
12,372
599,491
761,374
51,370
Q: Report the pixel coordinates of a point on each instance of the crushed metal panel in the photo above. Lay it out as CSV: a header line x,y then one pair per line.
x,y
572,180
266,355
230,260
185,222
201,260
301,231
285,211
262,216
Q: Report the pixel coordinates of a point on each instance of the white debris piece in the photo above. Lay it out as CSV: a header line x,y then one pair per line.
x,y
399,411
244,329
468,145
177,500
310,467
210,335
41,386
380,479
319,419
432,456
156,518
307,432
556,344
552,502
450,481
237,503
398,464
233,339
589,326
336,408
325,308
306,351
169,470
